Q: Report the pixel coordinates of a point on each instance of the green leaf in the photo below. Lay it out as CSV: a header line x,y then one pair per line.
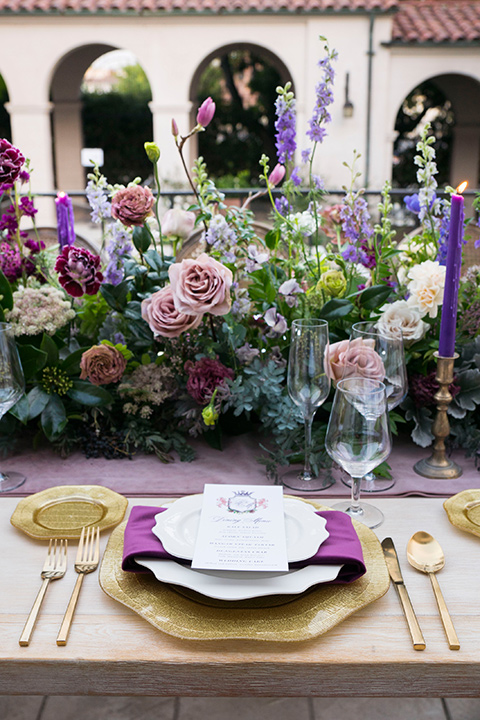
x,y
54,418
37,401
6,296
375,296
32,360
141,238
71,364
85,393
272,238
21,410
115,295
336,308
48,346
155,261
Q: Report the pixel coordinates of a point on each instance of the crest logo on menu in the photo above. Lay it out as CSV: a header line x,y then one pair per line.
x,y
242,502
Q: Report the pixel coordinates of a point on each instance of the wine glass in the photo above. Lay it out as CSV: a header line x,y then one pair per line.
x,y
12,387
308,387
391,351
358,438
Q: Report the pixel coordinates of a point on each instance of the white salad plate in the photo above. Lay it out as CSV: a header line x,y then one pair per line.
x,y
239,585
177,527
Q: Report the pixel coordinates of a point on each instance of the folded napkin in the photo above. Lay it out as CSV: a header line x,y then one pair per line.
x,y
342,547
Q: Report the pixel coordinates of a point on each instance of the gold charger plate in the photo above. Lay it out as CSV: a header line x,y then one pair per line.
x,y
284,618
460,514
63,510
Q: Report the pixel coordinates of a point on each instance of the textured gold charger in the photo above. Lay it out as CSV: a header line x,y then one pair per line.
x,y
63,510
458,513
279,618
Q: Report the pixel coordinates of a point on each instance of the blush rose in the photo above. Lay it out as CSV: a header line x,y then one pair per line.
x,y
201,285
132,205
162,316
351,358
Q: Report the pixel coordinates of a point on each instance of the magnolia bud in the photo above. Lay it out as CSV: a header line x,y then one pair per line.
x,y
175,132
277,175
206,111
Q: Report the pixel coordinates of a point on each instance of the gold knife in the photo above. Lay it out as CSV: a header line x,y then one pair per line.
x,y
393,566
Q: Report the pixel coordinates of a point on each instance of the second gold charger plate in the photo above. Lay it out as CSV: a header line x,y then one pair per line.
x,y
280,618
463,512
63,510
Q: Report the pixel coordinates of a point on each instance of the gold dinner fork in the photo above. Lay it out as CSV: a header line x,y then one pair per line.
x,y
54,568
88,554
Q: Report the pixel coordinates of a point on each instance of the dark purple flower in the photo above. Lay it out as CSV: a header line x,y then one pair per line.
x,y
204,377
26,207
79,271
24,176
34,245
10,262
11,162
422,388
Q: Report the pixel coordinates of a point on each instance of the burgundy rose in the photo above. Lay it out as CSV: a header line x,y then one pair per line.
x,y
11,162
102,364
201,285
132,205
162,316
79,271
204,376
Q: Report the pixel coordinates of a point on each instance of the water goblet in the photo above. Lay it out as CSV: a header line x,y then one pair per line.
x,y
358,439
308,387
392,353
12,387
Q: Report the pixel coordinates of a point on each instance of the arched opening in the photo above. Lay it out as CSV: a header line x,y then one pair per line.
x,y
5,128
451,103
241,79
100,100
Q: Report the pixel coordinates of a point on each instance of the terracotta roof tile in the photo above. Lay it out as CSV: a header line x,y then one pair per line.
x,y
195,6
437,21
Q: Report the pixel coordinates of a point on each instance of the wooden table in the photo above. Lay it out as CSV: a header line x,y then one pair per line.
x,y
112,651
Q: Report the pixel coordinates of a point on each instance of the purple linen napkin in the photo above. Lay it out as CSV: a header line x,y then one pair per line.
x,y
342,547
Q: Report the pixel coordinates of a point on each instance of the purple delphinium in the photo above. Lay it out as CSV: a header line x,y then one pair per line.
x,y
283,206
285,129
118,248
358,230
412,202
220,235
324,97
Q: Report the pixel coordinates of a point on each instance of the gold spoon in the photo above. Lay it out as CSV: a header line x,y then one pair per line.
x,y
425,554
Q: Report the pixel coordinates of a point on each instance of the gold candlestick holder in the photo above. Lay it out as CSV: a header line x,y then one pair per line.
x,y
438,466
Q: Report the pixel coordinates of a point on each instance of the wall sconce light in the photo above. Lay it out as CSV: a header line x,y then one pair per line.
x,y
348,105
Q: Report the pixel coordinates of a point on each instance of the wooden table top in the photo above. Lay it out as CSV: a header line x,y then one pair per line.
x,y
111,650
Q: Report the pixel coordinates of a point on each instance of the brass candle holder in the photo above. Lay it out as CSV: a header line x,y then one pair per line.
x,y
438,466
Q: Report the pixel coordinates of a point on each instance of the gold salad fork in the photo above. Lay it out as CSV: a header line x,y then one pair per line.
x,y
88,554
54,568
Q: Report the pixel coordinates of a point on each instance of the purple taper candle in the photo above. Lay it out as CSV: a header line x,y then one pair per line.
x,y
448,325
65,228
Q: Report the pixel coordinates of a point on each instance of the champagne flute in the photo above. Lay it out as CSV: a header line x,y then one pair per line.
x,y
308,387
392,353
358,438
12,387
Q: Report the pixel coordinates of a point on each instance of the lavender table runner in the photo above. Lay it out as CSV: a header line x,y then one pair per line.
x,y
146,476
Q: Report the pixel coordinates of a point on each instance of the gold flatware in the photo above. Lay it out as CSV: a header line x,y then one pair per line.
x,y
425,554
88,555
393,566
54,568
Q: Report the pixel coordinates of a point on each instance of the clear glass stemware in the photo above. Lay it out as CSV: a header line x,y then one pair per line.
x,y
358,438
308,387
391,350
12,387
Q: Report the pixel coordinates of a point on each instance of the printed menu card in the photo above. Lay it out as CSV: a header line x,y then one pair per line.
x,y
242,527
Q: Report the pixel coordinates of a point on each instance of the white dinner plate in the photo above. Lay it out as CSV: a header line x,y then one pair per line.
x,y
177,527
239,585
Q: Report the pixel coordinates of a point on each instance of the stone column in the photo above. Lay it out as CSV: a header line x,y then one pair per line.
x,y
68,134
170,167
31,133
465,155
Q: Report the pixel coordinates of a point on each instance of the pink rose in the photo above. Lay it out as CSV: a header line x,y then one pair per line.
x,y
201,285
350,358
132,205
163,318
102,364
178,223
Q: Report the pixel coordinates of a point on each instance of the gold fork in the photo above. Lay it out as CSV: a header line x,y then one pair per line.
x,y
54,568
88,554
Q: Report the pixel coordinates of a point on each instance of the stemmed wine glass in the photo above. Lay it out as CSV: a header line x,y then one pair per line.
x,y
358,438
391,351
308,387
12,387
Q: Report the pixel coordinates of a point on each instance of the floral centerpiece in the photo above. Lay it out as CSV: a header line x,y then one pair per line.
x,y
143,347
